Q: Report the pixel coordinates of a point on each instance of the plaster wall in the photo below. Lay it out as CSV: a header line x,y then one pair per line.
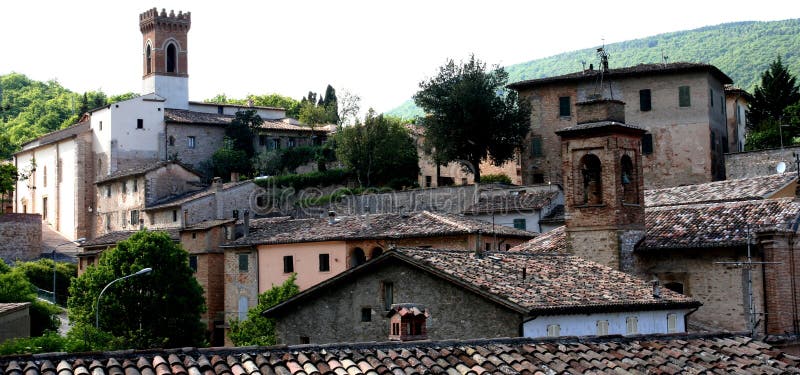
x,y
649,322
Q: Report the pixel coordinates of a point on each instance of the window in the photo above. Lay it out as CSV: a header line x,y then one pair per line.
x,y
172,57
357,257
139,123
171,141
553,330
148,55
629,180
388,294
644,100
220,109
647,144
396,329
488,246
674,286
711,98
44,176
602,327
101,126
538,178
591,175
536,146
174,215
376,252
631,325
564,109
288,264
508,246
305,340
134,217
190,142
135,185
463,180
672,323
243,307
124,187
519,224
244,262
684,97
193,262
428,180
324,262
290,142
366,314
44,208
194,235
108,221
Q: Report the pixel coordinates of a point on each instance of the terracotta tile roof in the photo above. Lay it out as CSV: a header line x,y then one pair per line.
x,y
761,187
183,116
547,283
554,241
630,71
509,203
381,226
599,125
203,225
175,201
58,135
139,170
112,238
236,105
714,224
664,354
10,307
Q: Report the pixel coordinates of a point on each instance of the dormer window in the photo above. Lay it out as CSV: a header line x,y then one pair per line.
x,y
408,322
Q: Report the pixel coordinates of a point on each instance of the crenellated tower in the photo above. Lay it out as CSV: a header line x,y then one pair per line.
x,y
165,55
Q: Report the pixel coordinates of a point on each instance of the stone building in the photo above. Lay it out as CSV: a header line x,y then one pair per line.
x,y
59,168
465,294
15,320
22,236
519,209
737,103
680,107
318,249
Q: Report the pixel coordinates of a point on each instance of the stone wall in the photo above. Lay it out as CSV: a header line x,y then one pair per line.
x,y
22,236
207,140
759,163
15,321
239,284
335,314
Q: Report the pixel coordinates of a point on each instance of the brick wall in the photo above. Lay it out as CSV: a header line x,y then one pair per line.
x,y
22,236
335,315
759,163
781,280
239,283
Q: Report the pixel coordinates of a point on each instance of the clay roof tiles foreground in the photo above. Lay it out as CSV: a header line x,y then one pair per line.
x,y
664,354
761,187
509,203
554,241
377,226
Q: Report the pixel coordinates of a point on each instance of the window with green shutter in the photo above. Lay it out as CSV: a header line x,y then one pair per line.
x,y
519,224
564,109
684,96
536,146
244,262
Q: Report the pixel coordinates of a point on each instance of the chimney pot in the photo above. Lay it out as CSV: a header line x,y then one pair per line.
x,y
246,223
234,176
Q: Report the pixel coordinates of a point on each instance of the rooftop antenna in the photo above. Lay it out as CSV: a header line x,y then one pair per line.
x,y
664,58
598,89
583,63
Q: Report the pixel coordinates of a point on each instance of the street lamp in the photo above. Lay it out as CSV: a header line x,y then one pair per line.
x,y
97,308
78,241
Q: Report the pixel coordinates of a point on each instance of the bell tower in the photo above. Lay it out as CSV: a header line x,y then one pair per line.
x,y
604,187
165,55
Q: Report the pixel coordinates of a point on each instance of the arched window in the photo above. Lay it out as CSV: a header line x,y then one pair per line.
x,y
357,257
148,53
376,252
591,181
172,58
675,287
628,178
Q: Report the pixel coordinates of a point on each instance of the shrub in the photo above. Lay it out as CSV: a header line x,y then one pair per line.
x,y
495,179
301,181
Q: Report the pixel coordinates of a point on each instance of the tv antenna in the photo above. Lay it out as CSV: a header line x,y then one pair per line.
x,y
664,58
583,63
598,89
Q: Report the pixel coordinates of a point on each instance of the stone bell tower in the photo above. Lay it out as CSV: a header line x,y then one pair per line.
x,y
604,187
165,55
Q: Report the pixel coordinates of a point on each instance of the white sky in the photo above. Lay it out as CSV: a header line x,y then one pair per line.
x,y
379,50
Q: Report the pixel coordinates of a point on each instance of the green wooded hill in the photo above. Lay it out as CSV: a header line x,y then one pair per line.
x,y
743,50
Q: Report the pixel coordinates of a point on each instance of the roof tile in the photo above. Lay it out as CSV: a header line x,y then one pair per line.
x,y
719,191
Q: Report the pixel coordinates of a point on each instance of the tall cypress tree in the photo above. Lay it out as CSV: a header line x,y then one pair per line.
x,y
778,90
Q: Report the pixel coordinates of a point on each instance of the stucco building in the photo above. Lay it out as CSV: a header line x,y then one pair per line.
x,y
680,106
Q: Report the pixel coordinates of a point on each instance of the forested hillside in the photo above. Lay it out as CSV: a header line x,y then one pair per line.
x,y
743,50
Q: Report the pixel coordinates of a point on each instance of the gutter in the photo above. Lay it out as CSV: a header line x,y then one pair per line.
x,y
686,318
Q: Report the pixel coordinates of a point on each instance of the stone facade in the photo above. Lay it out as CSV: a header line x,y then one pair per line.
x,y
193,144
22,236
687,141
760,163
452,310
241,283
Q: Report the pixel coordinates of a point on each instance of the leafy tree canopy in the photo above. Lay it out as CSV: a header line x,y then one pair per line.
x,y
242,130
777,91
291,106
380,151
15,287
257,329
8,180
467,119
159,309
229,159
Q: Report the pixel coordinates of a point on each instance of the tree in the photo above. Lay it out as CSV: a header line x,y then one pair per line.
x,y
242,130
349,106
778,90
159,309
380,151
8,180
15,287
257,329
331,104
40,274
312,114
468,119
229,159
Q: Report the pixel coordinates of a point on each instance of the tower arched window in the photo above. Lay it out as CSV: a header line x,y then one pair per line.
x,y
629,179
148,53
172,58
590,185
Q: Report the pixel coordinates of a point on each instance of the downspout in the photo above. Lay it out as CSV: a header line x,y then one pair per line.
x,y
686,318
522,325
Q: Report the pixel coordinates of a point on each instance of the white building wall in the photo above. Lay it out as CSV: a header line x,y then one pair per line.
x,y
101,142
130,143
650,322
174,89
66,177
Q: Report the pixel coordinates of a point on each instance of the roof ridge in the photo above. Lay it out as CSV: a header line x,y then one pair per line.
x,y
446,220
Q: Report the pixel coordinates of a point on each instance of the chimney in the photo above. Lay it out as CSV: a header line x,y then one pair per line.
x,y
366,215
217,183
407,322
234,176
331,217
246,223
656,289
600,110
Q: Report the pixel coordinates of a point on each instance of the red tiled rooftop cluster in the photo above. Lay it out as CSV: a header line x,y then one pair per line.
x,y
719,191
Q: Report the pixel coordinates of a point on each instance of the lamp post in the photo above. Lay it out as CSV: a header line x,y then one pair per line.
x,y
97,308
78,241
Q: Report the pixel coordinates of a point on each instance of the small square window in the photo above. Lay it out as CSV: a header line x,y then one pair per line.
x,y
174,215
553,330
602,327
288,264
194,235
305,340
564,107
324,262
536,146
244,262
684,97
519,224
672,323
193,262
139,123
190,142
632,325
366,314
